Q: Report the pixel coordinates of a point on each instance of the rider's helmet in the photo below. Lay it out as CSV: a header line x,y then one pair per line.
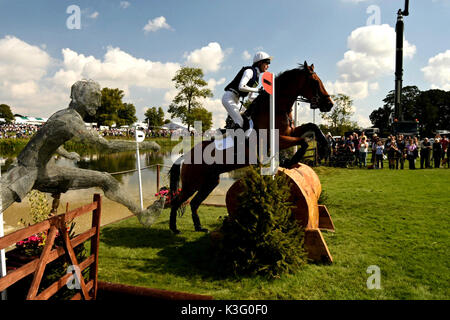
x,y
261,56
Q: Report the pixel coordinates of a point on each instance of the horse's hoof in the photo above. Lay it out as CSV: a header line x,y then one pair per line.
x,y
175,231
200,229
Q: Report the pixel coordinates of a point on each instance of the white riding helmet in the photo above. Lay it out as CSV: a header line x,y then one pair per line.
x,y
260,55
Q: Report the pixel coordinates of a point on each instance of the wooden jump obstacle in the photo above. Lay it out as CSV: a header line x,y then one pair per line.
x,y
90,289
37,266
305,192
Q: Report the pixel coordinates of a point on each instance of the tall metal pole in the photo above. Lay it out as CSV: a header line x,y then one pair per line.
x,y
399,28
272,130
2,252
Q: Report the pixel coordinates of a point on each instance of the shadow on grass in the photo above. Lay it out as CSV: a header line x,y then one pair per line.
x,y
177,255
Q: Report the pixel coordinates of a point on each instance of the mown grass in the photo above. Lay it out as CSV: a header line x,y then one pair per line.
x,y
396,220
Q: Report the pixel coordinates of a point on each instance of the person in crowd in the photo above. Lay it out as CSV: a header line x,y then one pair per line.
x,y
379,152
444,143
437,151
363,150
374,147
331,144
425,151
401,145
410,153
356,142
392,154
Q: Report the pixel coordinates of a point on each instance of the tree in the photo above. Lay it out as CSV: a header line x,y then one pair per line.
x,y
434,106
190,83
200,114
431,108
126,114
154,117
380,118
5,112
113,111
409,96
339,118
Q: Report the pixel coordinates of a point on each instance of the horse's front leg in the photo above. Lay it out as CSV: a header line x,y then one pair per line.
x,y
322,143
287,142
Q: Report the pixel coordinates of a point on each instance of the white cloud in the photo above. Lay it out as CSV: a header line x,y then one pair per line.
x,y
20,60
212,83
207,58
29,86
156,24
371,55
94,15
246,55
118,69
437,72
124,4
219,114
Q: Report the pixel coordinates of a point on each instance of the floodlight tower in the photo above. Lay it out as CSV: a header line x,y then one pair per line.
x,y
399,27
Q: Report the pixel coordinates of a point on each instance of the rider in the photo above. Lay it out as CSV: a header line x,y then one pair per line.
x,y
245,82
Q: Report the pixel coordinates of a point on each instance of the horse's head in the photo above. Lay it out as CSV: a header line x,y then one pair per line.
x,y
314,91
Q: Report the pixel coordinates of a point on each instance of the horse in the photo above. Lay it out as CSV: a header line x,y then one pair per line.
x,y
203,178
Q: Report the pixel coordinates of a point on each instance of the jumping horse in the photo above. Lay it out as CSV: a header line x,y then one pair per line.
x,y
203,178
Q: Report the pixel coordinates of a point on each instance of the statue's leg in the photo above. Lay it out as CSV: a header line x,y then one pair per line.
x,y
16,183
60,179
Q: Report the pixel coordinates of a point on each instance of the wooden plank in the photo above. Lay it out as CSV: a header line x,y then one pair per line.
x,y
95,242
39,272
57,285
78,295
127,292
80,211
316,246
30,267
325,222
73,259
21,234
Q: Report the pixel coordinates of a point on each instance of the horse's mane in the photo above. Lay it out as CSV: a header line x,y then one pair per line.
x,y
280,79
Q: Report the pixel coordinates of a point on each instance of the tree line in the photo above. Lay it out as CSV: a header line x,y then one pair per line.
x,y
431,108
187,105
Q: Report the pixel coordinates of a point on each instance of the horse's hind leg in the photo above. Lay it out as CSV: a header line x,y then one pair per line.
x,y
184,195
201,195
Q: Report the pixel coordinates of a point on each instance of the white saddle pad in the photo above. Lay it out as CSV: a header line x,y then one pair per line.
x,y
228,141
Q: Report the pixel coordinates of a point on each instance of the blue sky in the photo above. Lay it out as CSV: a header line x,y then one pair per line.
x,y
137,46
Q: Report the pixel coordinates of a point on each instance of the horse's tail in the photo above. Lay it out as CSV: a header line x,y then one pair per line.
x,y
174,174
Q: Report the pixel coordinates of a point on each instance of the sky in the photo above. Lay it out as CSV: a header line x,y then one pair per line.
x,y
137,46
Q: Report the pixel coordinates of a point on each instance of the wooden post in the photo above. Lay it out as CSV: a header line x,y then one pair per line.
x,y
157,177
96,216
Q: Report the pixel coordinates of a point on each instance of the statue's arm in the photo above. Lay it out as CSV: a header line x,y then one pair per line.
x,y
66,154
93,137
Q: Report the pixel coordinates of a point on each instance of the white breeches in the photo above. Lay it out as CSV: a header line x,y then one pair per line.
x,y
231,103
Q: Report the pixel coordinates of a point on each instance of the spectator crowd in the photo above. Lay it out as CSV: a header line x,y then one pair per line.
x,y
399,151
350,151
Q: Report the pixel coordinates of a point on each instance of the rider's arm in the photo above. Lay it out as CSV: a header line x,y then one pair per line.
x,y
246,77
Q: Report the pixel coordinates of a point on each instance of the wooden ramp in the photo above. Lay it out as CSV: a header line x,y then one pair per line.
x,y
305,192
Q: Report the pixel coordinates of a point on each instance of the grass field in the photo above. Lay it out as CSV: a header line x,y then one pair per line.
x,y
396,220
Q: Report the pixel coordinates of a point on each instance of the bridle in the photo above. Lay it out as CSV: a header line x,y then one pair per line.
x,y
317,95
